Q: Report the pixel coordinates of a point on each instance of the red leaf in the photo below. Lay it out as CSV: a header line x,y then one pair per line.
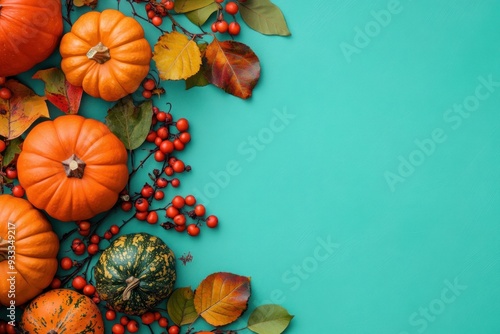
x,y
60,92
232,66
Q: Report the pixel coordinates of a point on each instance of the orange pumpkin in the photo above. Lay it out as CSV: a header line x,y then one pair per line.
x,y
73,167
28,251
106,53
30,31
62,311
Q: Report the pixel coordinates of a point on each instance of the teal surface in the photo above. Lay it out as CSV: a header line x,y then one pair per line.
x,y
364,187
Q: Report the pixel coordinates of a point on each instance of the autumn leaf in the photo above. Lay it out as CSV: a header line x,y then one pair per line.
x,y
269,319
59,91
201,15
12,151
180,306
222,297
176,56
199,79
80,3
233,67
264,17
23,108
130,123
183,6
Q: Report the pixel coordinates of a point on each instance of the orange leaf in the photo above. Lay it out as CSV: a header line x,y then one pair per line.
x,y
232,66
221,298
23,108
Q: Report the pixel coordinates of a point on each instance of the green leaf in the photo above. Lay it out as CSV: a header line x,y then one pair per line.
x,y
201,15
264,17
269,319
12,151
180,306
184,6
130,123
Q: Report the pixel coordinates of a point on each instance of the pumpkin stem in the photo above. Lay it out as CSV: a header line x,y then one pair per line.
x,y
99,53
74,166
132,283
4,249
52,332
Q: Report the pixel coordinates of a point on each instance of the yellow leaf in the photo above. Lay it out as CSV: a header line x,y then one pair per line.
x,y
23,108
176,56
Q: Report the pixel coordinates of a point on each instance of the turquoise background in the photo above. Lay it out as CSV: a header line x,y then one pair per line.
x,y
325,212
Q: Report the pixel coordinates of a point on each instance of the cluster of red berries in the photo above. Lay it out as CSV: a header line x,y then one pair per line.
x,y
79,283
10,172
156,11
150,88
221,25
7,328
178,213
5,93
126,324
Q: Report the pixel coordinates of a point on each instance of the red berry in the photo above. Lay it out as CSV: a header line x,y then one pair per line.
x,y
148,318
141,204
180,219
3,146
133,326
234,28
175,182
161,182
169,5
2,81
199,210
218,1
5,93
182,124
167,146
185,137
110,315
118,329
11,171
178,166
95,239
193,230
150,13
88,290
160,156
78,282
127,206
163,322
178,144
152,217
178,202
190,200
212,221
161,116
147,94
159,195
108,235
171,212
84,225
66,263
17,191
158,141
151,136
180,228
93,249
214,27
231,8
222,26
162,132
55,284
115,229
147,191
169,171
157,315
174,329
141,215
124,320
157,21
149,84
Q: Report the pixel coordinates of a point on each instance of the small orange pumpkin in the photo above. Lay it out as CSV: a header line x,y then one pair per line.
x,y
30,32
62,311
73,167
106,53
28,251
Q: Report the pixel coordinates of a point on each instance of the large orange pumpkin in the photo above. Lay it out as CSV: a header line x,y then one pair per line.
x,y
106,53
29,32
62,311
28,251
72,167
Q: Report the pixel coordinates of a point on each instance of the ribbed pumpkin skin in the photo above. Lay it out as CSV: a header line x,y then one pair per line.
x,y
29,32
42,174
62,311
36,247
130,54
144,257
